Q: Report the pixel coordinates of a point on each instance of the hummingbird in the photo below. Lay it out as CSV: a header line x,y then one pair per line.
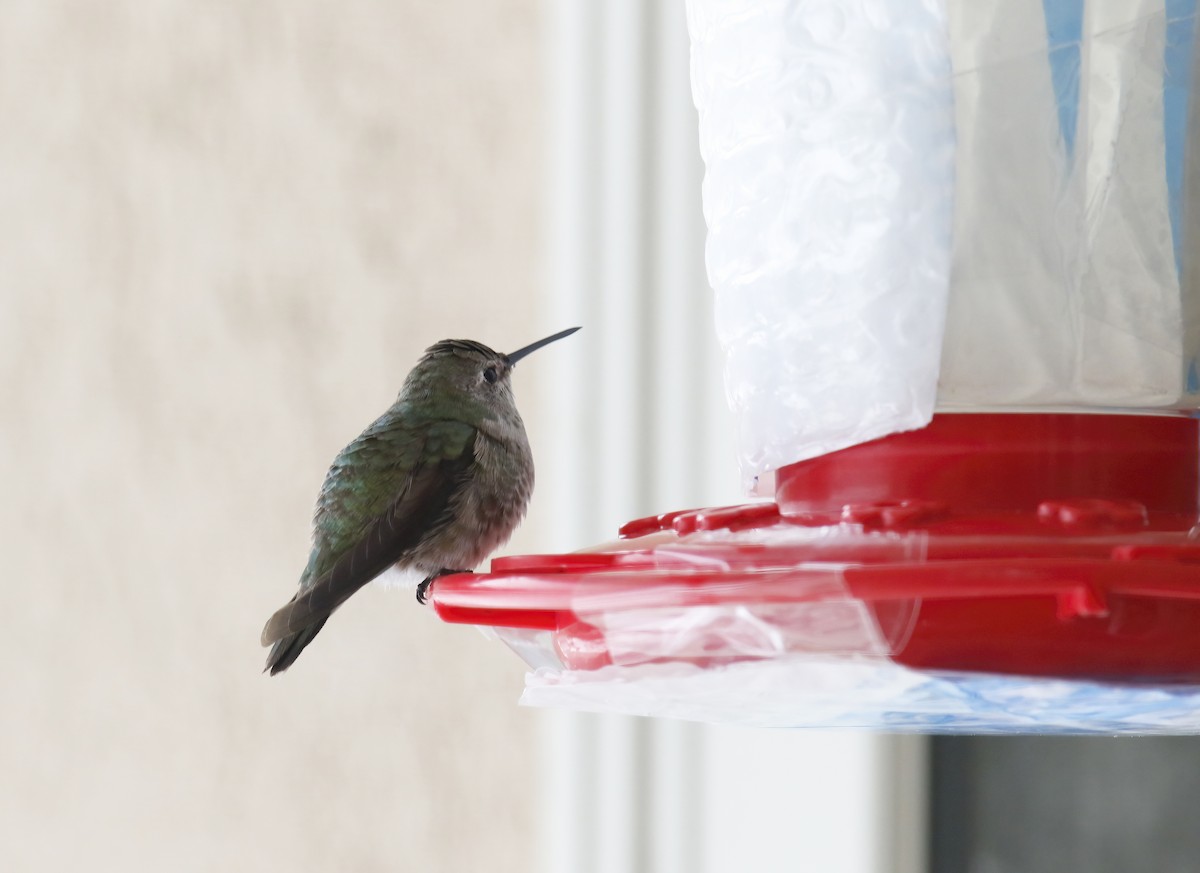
x,y
435,484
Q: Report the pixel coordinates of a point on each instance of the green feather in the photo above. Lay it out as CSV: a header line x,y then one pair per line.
x,y
368,474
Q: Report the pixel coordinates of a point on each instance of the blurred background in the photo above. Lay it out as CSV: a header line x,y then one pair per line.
x,y
229,231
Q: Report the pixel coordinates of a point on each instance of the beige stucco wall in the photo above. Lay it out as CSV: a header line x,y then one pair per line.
x,y
226,231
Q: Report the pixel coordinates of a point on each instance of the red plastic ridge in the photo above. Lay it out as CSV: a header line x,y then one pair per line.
x,y
1053,545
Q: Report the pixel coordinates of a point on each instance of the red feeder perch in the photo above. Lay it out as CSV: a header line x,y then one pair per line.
x,y
1033,545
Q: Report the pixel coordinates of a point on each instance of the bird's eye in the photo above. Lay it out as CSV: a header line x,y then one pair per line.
x,y
489,375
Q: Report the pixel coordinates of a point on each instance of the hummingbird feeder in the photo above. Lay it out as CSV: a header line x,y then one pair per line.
x,y
954,250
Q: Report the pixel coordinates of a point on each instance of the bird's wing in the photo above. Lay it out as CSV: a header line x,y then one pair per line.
x,y
424,503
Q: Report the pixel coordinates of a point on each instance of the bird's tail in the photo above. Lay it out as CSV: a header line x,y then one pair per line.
x,y
287,649
294,625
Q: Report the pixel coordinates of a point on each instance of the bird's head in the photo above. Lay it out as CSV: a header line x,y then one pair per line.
x,y
466,371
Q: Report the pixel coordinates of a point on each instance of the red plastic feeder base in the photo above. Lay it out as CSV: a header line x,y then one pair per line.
x,y
1023,544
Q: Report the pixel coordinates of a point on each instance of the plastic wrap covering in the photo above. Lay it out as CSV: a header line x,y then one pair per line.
x,y
989,572
846,143
827,134
769,628
807,692
920,632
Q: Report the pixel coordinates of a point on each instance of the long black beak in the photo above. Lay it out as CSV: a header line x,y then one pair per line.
x,y
513,357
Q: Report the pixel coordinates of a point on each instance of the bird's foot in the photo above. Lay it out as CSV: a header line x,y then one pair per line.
x,y
423,588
